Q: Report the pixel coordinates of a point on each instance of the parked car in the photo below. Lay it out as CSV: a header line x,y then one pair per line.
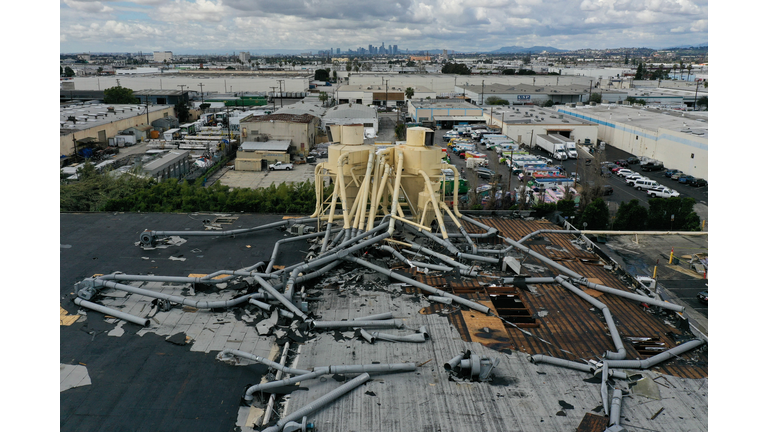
x,y
281,166
624,172
652,166
703,296
645,184
686,178
662,192
485,173
630,179
671,172
615,168
677,175
698,182
633,160
621,162
607,190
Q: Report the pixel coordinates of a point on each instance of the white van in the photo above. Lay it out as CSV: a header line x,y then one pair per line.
x,y
645,184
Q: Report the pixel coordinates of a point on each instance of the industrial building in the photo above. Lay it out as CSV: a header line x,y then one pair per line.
x,y
522,124
300,129
392,96
162,56
679,139
174,164
527,94
445,113
100,121
256,156
163,97
348,114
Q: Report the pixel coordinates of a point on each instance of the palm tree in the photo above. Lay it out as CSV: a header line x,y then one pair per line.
x,y
409,92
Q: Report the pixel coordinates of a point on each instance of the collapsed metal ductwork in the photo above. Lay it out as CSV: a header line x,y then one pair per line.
x,y
472,366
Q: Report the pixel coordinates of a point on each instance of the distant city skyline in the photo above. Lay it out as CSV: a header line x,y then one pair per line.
x,y
221,26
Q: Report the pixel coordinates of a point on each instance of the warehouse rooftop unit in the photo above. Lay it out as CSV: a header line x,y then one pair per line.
x,y
112,368
693,122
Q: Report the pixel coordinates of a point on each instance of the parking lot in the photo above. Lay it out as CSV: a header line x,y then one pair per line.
x,y
589,173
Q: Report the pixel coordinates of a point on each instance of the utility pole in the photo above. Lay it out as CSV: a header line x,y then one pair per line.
x,y
590,91
386,95
202,96
146,104
273,98
281,92
696,96
482,92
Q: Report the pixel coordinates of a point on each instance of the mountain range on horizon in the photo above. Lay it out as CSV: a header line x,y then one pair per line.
x,y
514,49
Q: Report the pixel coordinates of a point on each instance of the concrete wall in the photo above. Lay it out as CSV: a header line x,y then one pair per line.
x,y
675,149
251,160
298,133
66,146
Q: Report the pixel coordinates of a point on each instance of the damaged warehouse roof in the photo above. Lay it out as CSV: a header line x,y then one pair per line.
x,y
113,367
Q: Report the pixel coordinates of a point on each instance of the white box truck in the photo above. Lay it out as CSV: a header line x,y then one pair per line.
x,y
552,145
570,146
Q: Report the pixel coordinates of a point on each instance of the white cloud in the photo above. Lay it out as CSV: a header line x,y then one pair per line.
x,y
473,25
200,10
88,6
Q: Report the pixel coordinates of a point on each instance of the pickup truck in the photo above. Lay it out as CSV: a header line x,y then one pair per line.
x,y
662,192
280,166
652,166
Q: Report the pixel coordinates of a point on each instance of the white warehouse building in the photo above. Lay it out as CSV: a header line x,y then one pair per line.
x,y
676,138
348,114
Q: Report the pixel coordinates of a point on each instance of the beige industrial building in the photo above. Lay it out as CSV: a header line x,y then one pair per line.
x,y
522,124
678,139
299,129
380,94
100,122
444,112
349,114
256,156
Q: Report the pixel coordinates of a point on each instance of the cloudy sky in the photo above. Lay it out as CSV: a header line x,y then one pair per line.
x,y
194,26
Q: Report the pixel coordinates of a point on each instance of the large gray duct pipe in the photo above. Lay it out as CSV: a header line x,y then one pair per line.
x,y
620,351
417,284
615,407
658,358
547,260
419,337
400,256
541,358
279,297
287,240
148,238
535,233
632,296
144,322
215,304
262,360
391,323
328,370
319,403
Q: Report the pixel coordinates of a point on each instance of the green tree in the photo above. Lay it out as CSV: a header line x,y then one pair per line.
x,y
68,72
661,211
640,72
596,97
322,75
596,215
495,100
182,111
508,72
456,68
631,216
120,95
400,131
409,92
702,102
323,97
548,103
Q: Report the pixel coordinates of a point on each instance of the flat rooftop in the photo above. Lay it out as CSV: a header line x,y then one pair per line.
x,y
112,368
530,114
693,122
443,103
93,115
383,88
